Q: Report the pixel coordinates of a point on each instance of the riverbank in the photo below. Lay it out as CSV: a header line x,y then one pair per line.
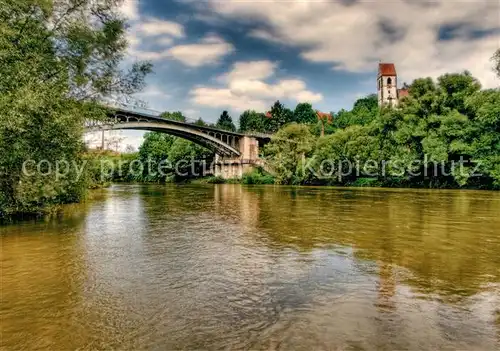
x,y
259,177
48,210
256,177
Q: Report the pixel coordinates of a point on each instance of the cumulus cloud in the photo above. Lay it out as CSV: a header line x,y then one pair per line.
x,y
155,27
152,31
245,87
206,52
153,91
255,70
353,36
162,34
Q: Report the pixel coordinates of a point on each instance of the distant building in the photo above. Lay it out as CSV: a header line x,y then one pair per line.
x,y
387,85
324,117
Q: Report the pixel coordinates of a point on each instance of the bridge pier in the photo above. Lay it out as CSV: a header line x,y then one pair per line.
x,y
235,167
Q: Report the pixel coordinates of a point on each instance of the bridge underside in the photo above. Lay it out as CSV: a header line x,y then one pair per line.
x,y
225,145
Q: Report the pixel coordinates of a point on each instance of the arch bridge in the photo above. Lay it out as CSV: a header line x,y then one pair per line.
x,y
225,144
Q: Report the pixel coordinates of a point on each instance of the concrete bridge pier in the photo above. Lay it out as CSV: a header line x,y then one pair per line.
x,y
235,167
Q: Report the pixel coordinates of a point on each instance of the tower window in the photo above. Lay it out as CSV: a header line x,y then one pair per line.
x,y
389,81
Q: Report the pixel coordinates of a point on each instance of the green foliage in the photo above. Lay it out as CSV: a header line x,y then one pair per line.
x,y
280,116
277,117
251,121
215,180
184,155
225,122
369,103
201,122
170,158
58,60
365,110
445,134
337,156
305,114
257,177
365,182
175,116
287,153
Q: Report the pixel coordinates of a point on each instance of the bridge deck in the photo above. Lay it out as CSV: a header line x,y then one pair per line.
x,y
123,113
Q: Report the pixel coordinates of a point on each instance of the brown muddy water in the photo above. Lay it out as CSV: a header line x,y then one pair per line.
x,y
194,267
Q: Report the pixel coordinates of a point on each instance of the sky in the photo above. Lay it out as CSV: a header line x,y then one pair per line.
x,y
234,55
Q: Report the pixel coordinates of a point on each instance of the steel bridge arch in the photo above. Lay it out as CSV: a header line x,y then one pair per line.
x,y
183,131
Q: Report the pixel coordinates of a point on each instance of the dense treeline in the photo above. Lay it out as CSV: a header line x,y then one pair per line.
x,y
58,60
445,134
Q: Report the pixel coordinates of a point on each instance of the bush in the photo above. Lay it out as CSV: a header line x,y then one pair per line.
x,y
365,182
213,180
257,176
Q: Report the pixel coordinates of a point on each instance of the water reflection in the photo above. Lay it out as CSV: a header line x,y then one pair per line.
x,y
227,266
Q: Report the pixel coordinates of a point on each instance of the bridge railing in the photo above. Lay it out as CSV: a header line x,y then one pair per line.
x,y
155,113
145,111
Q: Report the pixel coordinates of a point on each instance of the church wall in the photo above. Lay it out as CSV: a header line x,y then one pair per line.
x,y
388,90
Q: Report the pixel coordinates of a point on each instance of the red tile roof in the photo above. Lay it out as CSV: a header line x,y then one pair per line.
x,y
403,93
386,69
268,114
322,115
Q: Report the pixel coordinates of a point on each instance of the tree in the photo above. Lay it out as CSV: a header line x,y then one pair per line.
x,y
201,122
153,152
370,103
130,149
225,122
337,156
456,87
496,62
175,116
168,157
186,157
252,121
484,132
305,114
59,60
287,153
364,111
278,117
113,142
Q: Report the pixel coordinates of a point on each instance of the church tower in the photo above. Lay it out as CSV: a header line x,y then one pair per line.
x,y
387,84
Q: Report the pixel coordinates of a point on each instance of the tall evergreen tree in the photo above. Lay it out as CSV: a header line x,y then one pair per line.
x,y
226,122
278,117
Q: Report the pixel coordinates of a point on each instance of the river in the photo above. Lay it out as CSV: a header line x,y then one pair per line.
x,y
150,267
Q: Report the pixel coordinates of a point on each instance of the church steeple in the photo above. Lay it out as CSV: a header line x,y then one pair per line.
x,y
387,82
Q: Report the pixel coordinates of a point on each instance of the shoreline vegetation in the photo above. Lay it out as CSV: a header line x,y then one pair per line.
x,y
61,60
445,134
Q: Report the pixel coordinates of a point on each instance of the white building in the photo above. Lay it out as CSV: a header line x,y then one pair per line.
x,y
387,85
